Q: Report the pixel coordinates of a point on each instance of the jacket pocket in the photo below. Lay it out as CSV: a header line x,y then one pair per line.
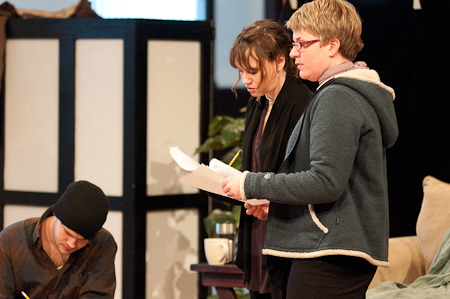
x,y
316,219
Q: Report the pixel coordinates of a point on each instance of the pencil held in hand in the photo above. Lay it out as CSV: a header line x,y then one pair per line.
x,y
25,295
235,157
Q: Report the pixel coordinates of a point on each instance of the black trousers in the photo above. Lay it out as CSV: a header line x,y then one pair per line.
x,y
330,277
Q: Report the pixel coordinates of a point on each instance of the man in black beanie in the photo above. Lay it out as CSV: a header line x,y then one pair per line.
x,y
64,254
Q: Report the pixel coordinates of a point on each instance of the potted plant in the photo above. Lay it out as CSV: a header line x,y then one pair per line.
x,y
225,133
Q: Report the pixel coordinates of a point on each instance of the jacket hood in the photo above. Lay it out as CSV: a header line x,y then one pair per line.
x,y
380,96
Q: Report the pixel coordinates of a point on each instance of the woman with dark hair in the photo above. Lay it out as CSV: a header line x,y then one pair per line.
x,y
278,98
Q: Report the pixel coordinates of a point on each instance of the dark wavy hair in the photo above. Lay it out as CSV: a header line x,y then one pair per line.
x,y
263,40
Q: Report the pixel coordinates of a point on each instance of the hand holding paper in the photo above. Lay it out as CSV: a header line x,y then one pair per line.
x,y
231,186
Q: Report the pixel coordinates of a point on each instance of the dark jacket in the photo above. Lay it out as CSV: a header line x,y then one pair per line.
x,y
286,111
330,196
25,266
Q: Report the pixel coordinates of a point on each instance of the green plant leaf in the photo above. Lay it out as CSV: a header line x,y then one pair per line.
x,y
224,132
212,143
232,133
217,124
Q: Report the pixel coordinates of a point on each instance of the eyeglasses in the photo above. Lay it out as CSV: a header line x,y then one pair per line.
x,y
299,45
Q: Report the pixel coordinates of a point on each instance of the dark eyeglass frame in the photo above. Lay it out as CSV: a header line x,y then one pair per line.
x,y
299,45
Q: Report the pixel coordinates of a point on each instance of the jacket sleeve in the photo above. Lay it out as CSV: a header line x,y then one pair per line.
x,y
335,124
101,279
7,284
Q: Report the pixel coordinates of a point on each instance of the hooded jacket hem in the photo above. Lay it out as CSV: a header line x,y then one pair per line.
x,y
327,252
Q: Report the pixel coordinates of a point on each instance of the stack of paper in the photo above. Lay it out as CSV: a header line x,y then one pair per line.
x,y
207,178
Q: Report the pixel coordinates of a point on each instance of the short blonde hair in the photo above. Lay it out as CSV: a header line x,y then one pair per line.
x,y
330,19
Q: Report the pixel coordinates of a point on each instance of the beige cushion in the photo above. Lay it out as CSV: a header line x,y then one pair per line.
x,y
434,217
406,260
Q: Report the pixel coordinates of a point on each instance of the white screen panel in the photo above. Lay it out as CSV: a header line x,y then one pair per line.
x,y
31,115
173,112
171,248
114,224
99,113
15,213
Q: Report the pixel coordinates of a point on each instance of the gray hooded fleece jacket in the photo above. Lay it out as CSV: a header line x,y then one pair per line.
x,y
330,195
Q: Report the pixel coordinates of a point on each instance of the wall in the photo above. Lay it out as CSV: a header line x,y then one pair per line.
x,y
242,13
47,5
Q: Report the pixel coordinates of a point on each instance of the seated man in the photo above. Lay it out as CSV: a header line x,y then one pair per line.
x,y
64,254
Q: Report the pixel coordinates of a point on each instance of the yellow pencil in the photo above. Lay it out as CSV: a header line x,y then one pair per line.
x,y
235,157
25,295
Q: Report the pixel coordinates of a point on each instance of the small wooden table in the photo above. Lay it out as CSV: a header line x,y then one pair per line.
x,y
223,278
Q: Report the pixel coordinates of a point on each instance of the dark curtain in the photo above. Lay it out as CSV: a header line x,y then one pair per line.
x,y
406,47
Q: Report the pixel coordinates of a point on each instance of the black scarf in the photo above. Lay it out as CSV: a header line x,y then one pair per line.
x,y
286,111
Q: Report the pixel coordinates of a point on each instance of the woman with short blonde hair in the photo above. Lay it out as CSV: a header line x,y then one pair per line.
x,y
328,20
329,212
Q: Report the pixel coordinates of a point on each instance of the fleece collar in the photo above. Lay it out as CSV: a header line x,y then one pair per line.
x,y
367,76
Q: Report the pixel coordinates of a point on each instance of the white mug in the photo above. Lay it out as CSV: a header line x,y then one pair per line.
x,y
217,251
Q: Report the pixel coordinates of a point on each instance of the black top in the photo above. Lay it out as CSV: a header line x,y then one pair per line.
x,y
286,111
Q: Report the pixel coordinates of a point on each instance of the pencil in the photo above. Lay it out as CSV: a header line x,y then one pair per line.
x,y
25,295
235,157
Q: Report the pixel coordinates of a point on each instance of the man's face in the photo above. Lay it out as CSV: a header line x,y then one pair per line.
x,y
67,241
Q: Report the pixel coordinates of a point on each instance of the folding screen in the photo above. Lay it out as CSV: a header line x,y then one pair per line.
x,y
102,100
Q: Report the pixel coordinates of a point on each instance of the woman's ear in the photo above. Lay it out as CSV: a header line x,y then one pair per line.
x,y
281,61
335,46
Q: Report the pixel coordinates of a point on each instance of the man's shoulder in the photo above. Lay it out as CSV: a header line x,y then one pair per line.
x,y
104,237
23,226
19,233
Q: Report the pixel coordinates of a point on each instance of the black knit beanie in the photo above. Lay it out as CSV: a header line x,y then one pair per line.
x,y
82,208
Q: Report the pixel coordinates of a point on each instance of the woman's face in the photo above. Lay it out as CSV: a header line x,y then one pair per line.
x,y
252,79
311,60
